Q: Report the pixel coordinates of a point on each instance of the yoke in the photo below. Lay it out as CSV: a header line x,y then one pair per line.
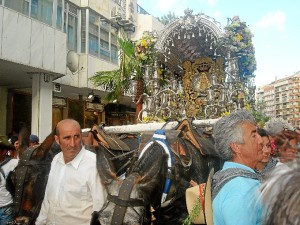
x,y
21,171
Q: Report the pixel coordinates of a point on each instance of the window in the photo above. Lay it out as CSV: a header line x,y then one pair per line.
x,y
72,33
93,45
104,54
21,6
42,10
113,39
104,35
70,25
101,36
93,34
59,15
140,10
104,44
104,24
114,53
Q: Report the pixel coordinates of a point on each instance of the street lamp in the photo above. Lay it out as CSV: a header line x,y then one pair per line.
x,y
90,95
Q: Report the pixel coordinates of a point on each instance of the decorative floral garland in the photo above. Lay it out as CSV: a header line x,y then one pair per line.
x,y
144,48
239,37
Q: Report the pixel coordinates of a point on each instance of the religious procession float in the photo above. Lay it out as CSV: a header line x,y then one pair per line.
x,y
191,69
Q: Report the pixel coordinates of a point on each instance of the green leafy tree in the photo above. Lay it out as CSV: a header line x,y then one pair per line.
x,y
168,18
259,115
133,56
117,81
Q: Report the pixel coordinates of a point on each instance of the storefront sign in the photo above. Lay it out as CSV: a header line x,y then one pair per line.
x,y
94,106
116,114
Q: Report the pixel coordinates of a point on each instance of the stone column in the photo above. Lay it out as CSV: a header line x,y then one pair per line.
x,y
41,118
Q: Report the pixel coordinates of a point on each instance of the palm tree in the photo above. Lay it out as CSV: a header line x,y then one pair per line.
x,y
118,81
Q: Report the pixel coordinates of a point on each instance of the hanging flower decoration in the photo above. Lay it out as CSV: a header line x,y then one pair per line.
x,y
144,48
239,37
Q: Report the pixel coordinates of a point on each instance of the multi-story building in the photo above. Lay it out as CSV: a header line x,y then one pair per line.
x,y
49,49
281,98
265,98
294,100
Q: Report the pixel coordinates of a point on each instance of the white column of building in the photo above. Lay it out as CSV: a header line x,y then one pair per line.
x,y
3,110
41,118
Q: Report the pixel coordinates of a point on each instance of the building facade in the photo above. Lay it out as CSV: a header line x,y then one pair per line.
x,y
265,99
281,99
49,50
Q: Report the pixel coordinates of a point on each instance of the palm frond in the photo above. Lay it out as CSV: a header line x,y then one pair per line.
x,y
127,47
119,80
106,77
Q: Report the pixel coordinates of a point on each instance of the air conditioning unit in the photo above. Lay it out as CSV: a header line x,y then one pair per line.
x,y
116,13
131,11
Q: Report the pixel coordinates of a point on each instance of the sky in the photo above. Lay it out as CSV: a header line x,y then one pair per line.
x,y
275,25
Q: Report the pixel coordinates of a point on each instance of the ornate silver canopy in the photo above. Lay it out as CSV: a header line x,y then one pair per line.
x,y
189,38
201,74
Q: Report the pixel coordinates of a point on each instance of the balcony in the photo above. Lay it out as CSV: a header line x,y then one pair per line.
x,y
32,43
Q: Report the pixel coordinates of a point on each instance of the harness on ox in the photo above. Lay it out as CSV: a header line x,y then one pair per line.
x,y
109,141
179,152
21,172
114,145
159,137
123,200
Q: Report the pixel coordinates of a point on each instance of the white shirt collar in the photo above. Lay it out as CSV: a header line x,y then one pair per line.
x,y
76,161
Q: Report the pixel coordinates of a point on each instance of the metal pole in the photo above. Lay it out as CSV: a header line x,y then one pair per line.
x,y
143,127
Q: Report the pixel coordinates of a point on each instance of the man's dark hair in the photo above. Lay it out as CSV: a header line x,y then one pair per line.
x,y
262,132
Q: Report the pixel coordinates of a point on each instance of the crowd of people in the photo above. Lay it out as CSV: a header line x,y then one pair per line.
x,y
259,164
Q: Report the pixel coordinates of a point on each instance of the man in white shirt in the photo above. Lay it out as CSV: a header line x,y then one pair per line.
x,y
6,200
74,189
